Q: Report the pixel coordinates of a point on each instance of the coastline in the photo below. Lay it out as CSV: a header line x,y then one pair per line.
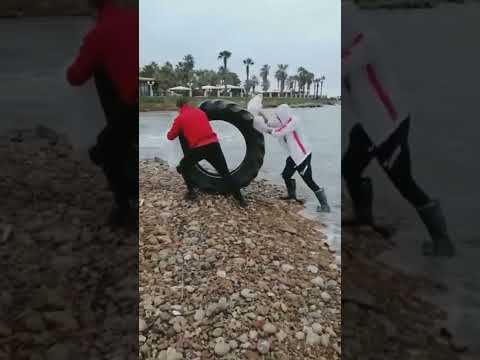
x,y
233,280
168,103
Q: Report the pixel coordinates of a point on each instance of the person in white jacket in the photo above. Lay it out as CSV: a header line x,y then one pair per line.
x,y
286,128
375,106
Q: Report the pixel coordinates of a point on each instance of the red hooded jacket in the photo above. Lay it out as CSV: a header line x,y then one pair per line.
x,y
193,124
112,45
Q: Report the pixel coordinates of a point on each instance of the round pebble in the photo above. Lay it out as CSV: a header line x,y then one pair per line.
x,y
222,348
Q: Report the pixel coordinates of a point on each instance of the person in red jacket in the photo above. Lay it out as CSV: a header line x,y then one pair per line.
x,y
109,55
193,124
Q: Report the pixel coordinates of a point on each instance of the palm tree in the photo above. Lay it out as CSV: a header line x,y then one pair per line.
x,y
264,71
309,80
290,83
254,82
248,62
281,75
189,61
277,77
295,82
315,87
321,80
302,79
186,68
224,56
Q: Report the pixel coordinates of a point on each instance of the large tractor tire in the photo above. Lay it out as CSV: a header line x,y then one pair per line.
x,y
248,169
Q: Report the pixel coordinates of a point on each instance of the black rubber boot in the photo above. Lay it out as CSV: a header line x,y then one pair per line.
x,y
434,220
362,198
241,200
291,190
190,195
322,199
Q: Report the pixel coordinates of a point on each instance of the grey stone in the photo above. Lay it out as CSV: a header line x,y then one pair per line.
x,y
318,281
142,325
325,340
300,335
281,336
269,328
199,315
222,348
287,267
312,338
317,328
325,296
217,332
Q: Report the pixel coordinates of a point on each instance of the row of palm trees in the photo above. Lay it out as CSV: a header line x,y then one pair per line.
x,y
299,83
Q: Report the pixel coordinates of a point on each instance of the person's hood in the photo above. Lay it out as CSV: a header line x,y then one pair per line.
x,y
283,113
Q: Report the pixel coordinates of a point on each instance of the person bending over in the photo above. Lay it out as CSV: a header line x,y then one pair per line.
x,y
193,124
109,54
299,160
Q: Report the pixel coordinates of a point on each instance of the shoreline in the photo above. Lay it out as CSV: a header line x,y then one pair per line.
x,y
400,316
168,103
253,281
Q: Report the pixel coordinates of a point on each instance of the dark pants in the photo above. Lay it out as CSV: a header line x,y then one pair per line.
x,y
304,169
116,150
214,155
393,156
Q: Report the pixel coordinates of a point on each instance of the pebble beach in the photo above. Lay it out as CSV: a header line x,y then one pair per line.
x,y
218,281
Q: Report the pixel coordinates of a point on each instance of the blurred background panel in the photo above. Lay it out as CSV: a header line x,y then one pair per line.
x,y
13,8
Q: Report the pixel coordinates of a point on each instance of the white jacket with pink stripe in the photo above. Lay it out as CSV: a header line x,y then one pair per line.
x,y
290,134
370,92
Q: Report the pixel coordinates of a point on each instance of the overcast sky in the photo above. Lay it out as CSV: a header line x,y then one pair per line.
x,y
298,33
